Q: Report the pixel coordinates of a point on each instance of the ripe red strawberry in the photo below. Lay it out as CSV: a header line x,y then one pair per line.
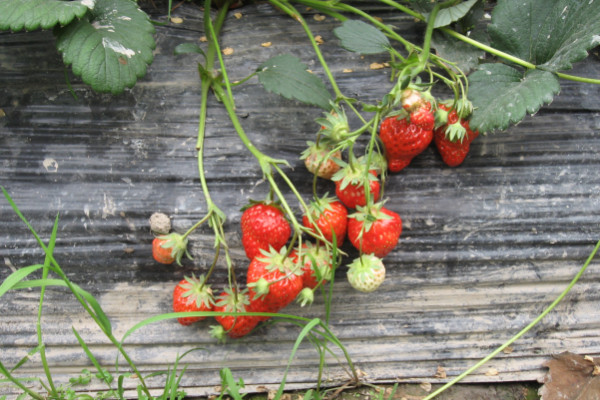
x,y
453,138
192,294
405,137
350,184
170,248
316,264
274,281
263,226
374,230
330,216
366,273
234,326
319,160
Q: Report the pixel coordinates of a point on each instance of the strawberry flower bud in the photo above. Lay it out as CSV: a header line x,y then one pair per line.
x,y
306,296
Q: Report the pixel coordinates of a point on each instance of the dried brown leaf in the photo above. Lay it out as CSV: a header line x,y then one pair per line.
x,y
570,376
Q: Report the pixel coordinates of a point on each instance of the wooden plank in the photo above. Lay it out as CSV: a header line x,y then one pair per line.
x,y
485,247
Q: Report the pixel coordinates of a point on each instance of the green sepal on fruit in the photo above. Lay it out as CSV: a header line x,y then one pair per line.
x,y
316,263
320,159
306,297
350,183
374,229
366,273
170,248
334,126
330,216
192,294
276,277
233,326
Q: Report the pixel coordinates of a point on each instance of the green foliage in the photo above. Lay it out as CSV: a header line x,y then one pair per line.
x,y
503,94
551,34
109,43
16,15
287,76
359,37
111,48
546,35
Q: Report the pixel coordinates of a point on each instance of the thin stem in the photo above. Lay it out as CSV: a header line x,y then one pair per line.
x,y
522,332
16,382
292,12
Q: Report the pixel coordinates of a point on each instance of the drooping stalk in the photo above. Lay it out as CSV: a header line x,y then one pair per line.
x,y
523,331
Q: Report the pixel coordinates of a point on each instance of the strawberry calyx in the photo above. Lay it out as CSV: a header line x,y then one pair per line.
x,y
334,127
197,288
319,205
455,132
219,333
178,245
306,296
369,215
232,301
354,173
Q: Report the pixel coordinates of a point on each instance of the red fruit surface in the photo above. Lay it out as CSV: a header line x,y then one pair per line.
x,y
313,257
350,188
284,279
263,226
453,152
162,254
330,216
375,230
405,138
190,295
235,326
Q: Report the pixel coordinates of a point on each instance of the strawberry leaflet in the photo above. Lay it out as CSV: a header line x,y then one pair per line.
x,y
111,48
40,14
548,36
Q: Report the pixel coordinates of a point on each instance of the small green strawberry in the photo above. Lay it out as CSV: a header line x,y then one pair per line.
x,y
366,273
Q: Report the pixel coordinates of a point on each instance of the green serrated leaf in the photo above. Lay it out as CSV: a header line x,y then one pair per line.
x,y
16,15
360,37
111,49
552,34
287,76
502,95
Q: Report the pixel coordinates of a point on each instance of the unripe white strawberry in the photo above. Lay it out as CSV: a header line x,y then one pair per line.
x,y
366,273
319,160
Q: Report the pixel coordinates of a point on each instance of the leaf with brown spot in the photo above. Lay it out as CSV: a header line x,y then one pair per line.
x,y
571,376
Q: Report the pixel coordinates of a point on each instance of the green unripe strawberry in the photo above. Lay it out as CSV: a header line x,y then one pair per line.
x,y
366,273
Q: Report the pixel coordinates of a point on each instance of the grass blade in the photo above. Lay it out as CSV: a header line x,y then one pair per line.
x,y
17,276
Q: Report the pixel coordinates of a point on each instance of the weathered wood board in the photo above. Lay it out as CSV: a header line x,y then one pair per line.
x,y
485,247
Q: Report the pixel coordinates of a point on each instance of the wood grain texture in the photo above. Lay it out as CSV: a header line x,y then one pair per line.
x,y
485,247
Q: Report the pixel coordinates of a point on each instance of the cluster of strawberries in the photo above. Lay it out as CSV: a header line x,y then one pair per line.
x,y
408,132
278,272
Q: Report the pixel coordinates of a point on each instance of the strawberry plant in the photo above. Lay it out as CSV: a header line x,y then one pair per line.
x,y
295,248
